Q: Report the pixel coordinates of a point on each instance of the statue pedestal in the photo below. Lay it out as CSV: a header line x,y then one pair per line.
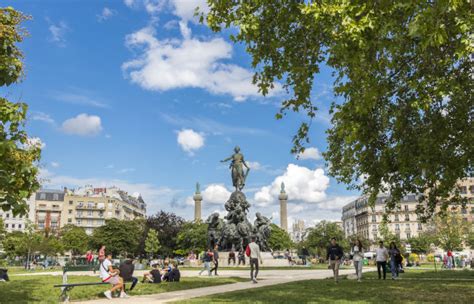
x,y
268,260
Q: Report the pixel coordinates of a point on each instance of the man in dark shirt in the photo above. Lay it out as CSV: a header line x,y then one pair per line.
x,y
126,272
154,276
334,256
216,260
304,254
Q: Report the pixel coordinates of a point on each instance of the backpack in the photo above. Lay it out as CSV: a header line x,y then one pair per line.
x,y
247,251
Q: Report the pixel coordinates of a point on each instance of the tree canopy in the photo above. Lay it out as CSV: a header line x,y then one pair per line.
x,y
75,239
319,237
152,244
120,237
18,153
402,117
192,237
167,225
279,238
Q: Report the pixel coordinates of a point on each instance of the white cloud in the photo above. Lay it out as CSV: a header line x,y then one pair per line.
x,y
189,140
185,8
58,32
79,97
126,170
130,3
111,166
301,184
310,153
41,116
215,194
254,165
82,125
106,14
187,63
35,142
54,164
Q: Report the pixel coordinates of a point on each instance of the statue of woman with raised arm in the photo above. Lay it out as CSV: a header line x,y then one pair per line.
x,y
237,170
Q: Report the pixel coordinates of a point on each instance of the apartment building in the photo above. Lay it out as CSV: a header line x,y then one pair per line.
x,y
89,207
358,218
18,223
48,210
298,231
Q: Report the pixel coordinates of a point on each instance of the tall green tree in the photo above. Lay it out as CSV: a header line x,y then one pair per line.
x,y
19,154
319,237
470,239
120,237
279,239
422,242
451,231
402,112
152,244
168,225
74,239
192,237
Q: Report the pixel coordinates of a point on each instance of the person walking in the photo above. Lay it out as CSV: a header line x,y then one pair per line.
x,y
215,260
394,254
334,256
207,257
381,256
357,253
253,251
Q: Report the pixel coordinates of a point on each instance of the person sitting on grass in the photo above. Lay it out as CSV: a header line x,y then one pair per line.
x,y
110,275
173,275
154,276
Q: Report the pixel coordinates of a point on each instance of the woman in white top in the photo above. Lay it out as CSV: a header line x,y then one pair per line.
x,y
358,258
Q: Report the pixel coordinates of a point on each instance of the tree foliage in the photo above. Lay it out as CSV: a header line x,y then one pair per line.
x,y
152,244
192,237
451,231
319,237
120,237
75,239
422,242
167,225
18,154
404,113
279,238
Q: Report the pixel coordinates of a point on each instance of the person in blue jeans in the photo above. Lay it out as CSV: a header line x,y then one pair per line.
x,y
394,254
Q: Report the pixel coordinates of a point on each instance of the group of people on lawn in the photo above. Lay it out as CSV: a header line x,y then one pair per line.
x,y
392,255
117,277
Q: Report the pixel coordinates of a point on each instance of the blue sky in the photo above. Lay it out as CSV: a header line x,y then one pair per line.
x,y
137,94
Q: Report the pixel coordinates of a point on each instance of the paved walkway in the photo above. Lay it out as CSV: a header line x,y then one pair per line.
x,y
267,278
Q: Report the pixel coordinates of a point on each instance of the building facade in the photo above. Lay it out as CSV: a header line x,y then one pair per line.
x,y
298,231
18,223
360,219
86,207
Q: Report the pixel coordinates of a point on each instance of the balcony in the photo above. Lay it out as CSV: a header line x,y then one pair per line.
x,y
86,207
86,216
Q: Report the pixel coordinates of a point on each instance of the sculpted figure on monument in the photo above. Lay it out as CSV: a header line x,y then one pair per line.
x,y
237,169
262,230
214,230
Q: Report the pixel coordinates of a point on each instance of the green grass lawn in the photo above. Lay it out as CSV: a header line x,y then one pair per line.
x,y
414,287
39,289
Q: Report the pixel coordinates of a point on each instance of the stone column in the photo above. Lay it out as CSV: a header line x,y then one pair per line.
x,y
197,203
283,197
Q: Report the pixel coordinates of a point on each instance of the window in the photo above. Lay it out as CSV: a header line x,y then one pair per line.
x,y
471,188
42,196
397,226
78,222
374,218
396,218
55,197
71,202
6,225
406,207
408,235
420,227
8,215
79,213
19,226
407,226
407,217
463,190
69,220
70,211
13,226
